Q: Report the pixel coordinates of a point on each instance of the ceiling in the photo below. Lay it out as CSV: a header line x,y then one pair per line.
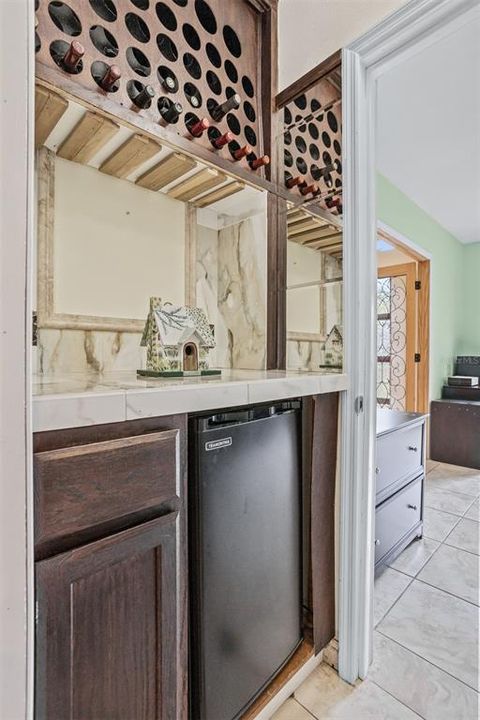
x,y
428,141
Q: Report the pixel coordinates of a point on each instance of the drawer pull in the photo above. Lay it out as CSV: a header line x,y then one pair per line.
x,y
412,507
413,448
377,542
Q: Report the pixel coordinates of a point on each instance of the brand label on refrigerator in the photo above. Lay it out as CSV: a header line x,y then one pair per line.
x,y
217,444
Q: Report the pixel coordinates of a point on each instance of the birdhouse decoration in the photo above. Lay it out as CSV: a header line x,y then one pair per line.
x,y
178,339
333,349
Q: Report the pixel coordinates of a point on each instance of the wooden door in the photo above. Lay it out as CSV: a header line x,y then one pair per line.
x,y
396,337
107,628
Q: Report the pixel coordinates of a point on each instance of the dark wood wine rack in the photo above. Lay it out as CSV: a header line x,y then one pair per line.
x,y
209,50
312,139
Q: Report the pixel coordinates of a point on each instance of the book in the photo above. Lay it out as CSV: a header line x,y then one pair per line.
x,y
463,381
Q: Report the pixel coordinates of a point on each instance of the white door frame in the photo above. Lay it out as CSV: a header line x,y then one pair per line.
x,y
408,31
16,193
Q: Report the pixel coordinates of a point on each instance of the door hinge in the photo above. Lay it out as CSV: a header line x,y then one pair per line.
x,y
418,357
418,284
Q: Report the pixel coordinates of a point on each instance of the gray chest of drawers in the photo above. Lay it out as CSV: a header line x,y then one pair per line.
x,y
400,474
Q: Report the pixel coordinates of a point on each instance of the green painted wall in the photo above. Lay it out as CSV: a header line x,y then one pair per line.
x,y
469,312
447,281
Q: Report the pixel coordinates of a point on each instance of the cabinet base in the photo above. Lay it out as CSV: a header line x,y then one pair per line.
x,y
176,373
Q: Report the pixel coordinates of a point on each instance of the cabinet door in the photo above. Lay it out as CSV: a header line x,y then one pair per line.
x,y
107,628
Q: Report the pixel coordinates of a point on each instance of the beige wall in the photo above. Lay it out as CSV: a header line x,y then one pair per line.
x,y
311,30
116,244
303,304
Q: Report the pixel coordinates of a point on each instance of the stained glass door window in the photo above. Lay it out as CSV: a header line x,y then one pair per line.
x,y
392,342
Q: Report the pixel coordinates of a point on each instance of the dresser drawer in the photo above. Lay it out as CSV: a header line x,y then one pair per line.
x,y
89,486
399,458
397,516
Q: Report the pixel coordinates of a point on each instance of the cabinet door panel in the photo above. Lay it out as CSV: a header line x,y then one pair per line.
x,y
107,628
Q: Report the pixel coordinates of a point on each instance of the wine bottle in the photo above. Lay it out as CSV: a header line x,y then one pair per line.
x,y
169,111
218,140
307,189
291,181
72,57
197,127
237,152
168,82
219,112
332,202
327,169
256,163
111,77
143,98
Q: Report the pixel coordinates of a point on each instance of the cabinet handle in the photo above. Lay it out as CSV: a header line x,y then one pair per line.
x,y
412,507
413,448
377,542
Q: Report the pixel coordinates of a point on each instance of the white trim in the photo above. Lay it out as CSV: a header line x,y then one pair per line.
x,y
357,488
408,31
404,240
16,232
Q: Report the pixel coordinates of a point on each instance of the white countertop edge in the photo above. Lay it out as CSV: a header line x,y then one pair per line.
x,y
64,410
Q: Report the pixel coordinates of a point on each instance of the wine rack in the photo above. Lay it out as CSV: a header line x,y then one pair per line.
x,y
151,56
313,232
66,129
312,144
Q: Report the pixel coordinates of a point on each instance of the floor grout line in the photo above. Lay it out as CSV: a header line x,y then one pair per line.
x,y
427,660
396,601
452,490
455,547
469,507
414,577
446,511
397,699
457,597
315,717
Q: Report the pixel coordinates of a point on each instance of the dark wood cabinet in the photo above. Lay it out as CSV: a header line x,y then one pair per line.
x,y
107,629
111,572
85,491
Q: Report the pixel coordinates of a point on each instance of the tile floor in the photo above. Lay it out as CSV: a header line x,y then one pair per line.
x,y
426,638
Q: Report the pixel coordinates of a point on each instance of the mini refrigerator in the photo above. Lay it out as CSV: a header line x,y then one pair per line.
x,y
245,554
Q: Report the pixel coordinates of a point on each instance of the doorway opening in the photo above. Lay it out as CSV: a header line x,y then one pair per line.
x,y
403,326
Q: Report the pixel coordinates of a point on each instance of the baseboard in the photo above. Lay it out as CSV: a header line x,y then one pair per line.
x,y
289,687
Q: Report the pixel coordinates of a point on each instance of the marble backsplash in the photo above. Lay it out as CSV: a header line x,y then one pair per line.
x,y
304,355
231,289
87,351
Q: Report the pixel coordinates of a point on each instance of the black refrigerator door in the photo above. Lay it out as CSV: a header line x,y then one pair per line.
x,y
245,559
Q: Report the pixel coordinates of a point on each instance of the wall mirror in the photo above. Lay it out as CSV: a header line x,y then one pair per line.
x,y
105,245
314,292
231,277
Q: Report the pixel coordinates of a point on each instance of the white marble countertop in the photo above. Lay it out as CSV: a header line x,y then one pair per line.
x,y
76,400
